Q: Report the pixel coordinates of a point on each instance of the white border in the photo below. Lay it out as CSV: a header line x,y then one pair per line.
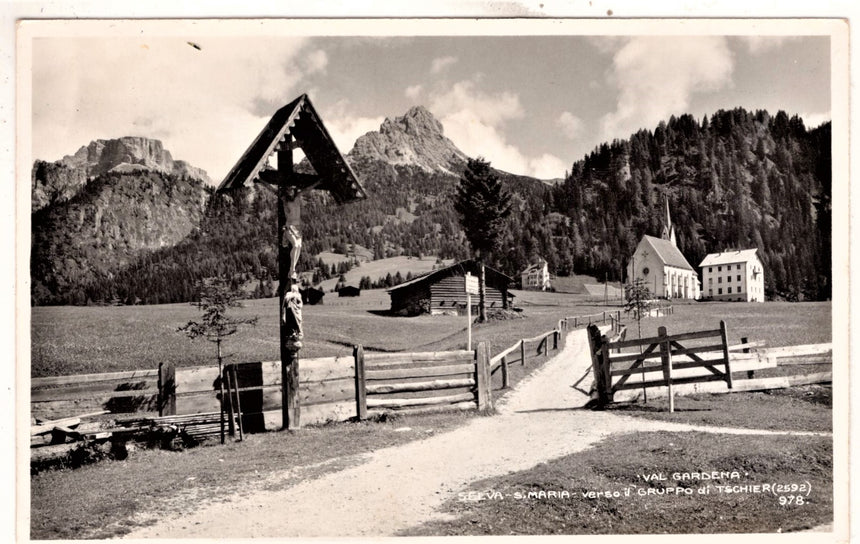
x,y
604,25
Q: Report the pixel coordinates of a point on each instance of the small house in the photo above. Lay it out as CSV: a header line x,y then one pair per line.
x,y
733,275
349,291
443,291
536,276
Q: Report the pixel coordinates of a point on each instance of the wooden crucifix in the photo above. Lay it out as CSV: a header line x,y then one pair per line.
x,y
296,125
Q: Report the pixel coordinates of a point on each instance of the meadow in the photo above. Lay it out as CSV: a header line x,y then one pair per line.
x,y
73,340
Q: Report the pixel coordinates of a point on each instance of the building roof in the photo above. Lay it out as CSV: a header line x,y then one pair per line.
x,y
729,257
298,119
469,265
667,252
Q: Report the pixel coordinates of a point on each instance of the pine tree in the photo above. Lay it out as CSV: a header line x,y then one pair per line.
x,y
483,206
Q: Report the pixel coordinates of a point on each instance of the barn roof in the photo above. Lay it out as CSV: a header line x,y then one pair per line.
x,y
729,257
468,265
300,120
667,252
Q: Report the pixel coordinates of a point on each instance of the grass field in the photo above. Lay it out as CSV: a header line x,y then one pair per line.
x,y
72,340
619,463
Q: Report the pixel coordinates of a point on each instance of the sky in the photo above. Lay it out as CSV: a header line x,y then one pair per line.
x,y
529,104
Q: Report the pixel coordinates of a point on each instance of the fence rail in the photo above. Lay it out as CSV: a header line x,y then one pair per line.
x,y
658,361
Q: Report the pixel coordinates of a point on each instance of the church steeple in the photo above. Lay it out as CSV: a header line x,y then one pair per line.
x,y
668,228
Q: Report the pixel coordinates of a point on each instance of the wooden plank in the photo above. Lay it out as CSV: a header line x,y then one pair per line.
x,y
44,428
399,403
375,361
656,339
676,381
805,360
806,379
725,337
89,378
166,389
424,372
468,405
360,384
196,379
319,414
482,377
51,395
636,369
327,391
681,350
649,353
747,345
709,364
327,368
805,349
418,386
197,403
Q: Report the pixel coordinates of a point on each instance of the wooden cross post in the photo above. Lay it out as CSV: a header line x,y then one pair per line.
x,y
295,125
290,302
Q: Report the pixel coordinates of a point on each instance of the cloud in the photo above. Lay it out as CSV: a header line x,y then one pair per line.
x,y
315,61
413,91
812,120
571,125
205,105
441,63
656,77
762,44
345,128
475,121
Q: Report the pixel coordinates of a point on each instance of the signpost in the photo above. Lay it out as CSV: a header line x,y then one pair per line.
x,y
471,286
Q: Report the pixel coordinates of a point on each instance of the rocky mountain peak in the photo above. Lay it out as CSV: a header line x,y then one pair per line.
x,y
415,139
60,180
129,153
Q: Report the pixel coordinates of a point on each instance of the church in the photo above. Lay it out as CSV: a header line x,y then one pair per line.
x,y
662,267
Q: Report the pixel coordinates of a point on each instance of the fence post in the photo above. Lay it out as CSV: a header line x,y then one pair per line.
x,y
482,377
166,389
522,353
745,340
575,321
231,415
725,335
666,360
505,382
555,340
360,383
596,348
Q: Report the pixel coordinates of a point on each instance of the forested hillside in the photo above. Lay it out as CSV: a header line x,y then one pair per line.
x,y
735,180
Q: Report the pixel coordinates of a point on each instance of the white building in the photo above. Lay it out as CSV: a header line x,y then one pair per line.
x,y
536,276
661,266
733,275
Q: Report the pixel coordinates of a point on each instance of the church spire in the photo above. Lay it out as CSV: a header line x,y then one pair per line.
x,y
668,228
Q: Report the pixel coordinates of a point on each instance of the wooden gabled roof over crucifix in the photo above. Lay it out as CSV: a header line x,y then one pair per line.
x,y
298,125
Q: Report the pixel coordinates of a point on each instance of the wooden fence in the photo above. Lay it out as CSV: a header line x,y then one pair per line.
x,y
543,343
330,388
612,372
117,392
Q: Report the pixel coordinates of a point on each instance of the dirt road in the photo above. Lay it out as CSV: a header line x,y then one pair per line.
x,y
403,486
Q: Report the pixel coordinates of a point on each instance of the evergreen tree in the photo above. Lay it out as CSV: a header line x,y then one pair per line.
x,y
483,205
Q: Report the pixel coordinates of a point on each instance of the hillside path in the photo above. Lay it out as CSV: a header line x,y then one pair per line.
x,y
403,486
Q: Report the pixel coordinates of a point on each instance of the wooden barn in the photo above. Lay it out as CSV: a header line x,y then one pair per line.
x,y
442,291
349,291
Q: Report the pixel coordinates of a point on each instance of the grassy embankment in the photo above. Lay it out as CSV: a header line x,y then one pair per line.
x,y
621,463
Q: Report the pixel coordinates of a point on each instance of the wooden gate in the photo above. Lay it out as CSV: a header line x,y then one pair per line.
x,y
660,361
